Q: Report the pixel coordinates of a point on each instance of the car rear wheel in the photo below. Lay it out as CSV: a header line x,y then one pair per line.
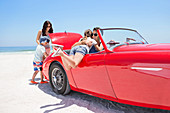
x,y
58,79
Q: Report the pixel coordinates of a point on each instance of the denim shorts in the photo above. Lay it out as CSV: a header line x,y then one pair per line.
x,y
78,49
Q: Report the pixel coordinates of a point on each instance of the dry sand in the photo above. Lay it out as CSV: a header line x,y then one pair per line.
x,y
17,95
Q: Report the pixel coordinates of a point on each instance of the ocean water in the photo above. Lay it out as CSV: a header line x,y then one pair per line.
x,y
22,49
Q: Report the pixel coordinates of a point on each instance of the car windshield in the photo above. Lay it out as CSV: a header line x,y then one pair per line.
x,y
115,37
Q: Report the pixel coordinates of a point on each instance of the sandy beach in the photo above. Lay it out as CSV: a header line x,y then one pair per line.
x,y
17,95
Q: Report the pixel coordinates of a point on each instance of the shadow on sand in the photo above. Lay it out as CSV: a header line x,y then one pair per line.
x,y
94,104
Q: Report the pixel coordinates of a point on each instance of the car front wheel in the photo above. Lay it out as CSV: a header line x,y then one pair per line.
x,y
58,79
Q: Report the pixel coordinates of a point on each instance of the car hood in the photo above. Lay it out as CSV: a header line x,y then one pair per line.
x,y
67,39
143,47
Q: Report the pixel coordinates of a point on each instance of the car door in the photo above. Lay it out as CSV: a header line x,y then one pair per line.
x,y
91,75
139,77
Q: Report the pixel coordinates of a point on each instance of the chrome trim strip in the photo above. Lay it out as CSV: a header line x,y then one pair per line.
x,y
145,68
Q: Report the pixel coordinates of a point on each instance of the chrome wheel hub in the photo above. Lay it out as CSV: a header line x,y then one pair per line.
x,y
57,78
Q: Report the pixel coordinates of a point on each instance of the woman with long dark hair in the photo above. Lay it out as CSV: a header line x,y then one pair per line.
x,y
42,34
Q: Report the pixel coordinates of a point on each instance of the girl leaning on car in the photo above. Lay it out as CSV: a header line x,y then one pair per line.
x,y
77,52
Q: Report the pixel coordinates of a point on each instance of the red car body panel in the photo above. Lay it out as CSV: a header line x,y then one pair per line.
x,y
92,70
144,86
136,74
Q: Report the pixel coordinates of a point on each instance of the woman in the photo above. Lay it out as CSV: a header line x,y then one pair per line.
x,y
47,28
98,47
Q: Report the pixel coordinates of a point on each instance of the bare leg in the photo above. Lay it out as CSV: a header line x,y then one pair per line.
x,y
41,76
77,59
66,64
33,77
73,61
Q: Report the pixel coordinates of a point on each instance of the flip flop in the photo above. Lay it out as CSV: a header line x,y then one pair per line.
x,y
55,52
33,82
43,82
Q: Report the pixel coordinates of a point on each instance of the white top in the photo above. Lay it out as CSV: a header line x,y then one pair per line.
x,y
47,37
38,56
93,41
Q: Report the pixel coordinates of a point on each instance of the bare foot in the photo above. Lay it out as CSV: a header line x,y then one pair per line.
x,y
56,52
60,53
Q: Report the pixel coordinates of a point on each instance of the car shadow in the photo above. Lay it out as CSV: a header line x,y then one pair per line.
x,y
94,104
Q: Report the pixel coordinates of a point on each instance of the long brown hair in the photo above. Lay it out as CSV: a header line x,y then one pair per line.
x,y
45,25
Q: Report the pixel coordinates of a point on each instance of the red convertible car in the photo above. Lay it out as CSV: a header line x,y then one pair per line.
x,y
128,70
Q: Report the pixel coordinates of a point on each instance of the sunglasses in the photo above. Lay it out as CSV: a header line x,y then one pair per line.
x,y
95,34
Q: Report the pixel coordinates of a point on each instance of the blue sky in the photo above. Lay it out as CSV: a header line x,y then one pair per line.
x,y
21,20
